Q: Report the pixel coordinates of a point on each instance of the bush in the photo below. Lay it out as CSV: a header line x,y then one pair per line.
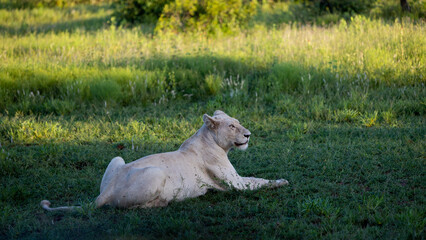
x,y
328,19
340,6
390,9
184,15
212,15
138,11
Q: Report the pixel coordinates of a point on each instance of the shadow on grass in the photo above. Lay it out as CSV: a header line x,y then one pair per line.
x,y
343,164
296,13
125,81
20,5
282,13
96,17
138,81
160,79
86,25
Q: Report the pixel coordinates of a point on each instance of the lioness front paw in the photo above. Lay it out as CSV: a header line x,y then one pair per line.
x,y
281,182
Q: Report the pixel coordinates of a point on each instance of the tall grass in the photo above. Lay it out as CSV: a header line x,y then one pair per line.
x,y
46,62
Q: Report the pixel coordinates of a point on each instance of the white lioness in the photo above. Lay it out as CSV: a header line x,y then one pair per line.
x,y
201,163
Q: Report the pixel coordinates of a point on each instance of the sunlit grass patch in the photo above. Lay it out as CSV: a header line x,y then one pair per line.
x,y
264,62
29,130
346,115
369,120
389,118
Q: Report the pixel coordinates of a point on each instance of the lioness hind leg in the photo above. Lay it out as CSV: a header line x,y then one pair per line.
x,y
115,163
141,187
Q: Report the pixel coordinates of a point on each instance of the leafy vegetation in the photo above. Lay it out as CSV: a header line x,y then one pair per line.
x,y
209,16
22,4
230,16
337,108
138,11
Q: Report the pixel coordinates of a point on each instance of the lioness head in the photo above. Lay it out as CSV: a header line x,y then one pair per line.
x,y
228,131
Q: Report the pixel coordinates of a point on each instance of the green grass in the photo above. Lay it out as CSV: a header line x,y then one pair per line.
x,y
339,111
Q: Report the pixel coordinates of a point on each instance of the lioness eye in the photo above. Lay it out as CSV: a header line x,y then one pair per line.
x,y
232,126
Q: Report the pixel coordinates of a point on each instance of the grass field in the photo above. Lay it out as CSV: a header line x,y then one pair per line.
x,y
339,111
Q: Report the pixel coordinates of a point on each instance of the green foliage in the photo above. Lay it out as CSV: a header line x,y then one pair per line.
x,y
212,15
178,15
346,115
390,118
387,9
369,120
322,12
187,15
391,9
328,19
326,12
229,16
138,11
213,84
342,6
319,207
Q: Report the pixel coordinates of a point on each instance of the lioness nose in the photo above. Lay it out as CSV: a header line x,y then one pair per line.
x,y
247,135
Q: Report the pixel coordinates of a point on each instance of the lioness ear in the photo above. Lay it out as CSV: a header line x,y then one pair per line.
x,y
210,122
218,112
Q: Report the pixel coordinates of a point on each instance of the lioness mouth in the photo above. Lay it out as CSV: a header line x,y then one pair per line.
x,y
240,144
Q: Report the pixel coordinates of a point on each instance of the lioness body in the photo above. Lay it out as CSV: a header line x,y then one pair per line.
x,y
201,163
172,176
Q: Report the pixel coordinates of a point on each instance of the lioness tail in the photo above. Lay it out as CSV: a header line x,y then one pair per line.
x,y
45,204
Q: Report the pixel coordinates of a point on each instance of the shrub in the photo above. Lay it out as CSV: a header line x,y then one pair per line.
x,y
213,83
138,11
342,6
390,9
328,19
178,15
187,15
212,15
